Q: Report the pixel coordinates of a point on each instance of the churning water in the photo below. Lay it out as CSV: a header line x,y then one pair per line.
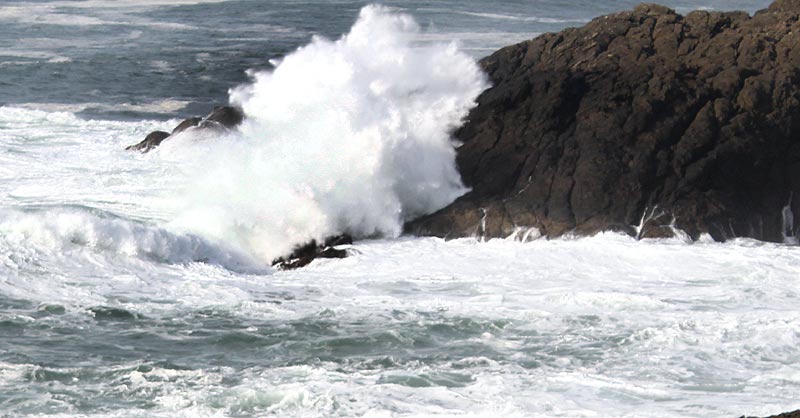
x,y
139,284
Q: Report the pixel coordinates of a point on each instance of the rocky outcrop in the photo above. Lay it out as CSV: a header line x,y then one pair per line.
x,y
152,140
222,118
643,121
305,254
186,124
795,414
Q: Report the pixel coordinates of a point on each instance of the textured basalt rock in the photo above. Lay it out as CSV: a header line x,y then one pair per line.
x,y
640,117
222,118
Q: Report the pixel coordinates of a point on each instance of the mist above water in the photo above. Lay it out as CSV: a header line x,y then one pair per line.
x,y
346,136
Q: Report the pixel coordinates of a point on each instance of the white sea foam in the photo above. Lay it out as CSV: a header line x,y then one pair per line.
x,y
603,326
537,19
346,136
156,106
56,158
589,327
85,13
62,230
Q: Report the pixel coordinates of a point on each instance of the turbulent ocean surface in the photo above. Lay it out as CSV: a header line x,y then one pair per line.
x,y
139,285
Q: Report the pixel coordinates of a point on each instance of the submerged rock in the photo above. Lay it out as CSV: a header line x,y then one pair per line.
x,y
221,118
643,121
305,254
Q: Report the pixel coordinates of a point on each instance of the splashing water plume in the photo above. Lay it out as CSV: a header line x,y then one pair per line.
x,y
347,136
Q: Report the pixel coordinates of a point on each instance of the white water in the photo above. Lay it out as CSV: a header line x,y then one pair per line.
x,y
112,308
347,136
604,326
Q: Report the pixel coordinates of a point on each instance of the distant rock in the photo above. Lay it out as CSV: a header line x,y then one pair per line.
x,y
222,118
644,121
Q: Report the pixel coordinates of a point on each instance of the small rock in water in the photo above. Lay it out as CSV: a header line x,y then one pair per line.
x,y
152,140
221,118
227,117
305,254
186,124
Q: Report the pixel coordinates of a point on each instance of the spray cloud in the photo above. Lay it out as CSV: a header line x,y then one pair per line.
x,y
346,136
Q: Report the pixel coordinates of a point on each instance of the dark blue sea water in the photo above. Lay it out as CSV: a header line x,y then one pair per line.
x,y
134,59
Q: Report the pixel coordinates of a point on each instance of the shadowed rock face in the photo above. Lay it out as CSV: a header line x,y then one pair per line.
x,y
186,124
152,140
693,119
221,118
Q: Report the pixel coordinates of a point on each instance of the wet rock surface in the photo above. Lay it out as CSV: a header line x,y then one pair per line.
x,y
186,124
305,254
642,121
795,414
152,140
222,118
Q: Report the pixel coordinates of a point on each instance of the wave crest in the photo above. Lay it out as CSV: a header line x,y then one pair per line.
x,y
346,136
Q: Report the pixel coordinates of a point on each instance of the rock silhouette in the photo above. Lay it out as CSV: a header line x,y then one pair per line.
x,y
152,140
221,118
304,254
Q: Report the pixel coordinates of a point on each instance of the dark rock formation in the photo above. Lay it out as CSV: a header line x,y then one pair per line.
x,y
186,124
152,140
795,414
305,254
693,120
226,117
221,118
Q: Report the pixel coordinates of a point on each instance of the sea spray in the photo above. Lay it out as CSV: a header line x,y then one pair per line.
x,y
32,234
346,136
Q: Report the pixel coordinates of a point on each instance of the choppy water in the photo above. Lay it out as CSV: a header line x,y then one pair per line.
x,y
151,58
114,303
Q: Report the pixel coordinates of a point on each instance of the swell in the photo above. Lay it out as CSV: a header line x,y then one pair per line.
x,y
33,234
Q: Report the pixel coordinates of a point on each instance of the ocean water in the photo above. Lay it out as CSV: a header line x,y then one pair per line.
x,y
139,285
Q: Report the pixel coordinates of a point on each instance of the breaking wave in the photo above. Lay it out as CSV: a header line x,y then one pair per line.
x,y
346,136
